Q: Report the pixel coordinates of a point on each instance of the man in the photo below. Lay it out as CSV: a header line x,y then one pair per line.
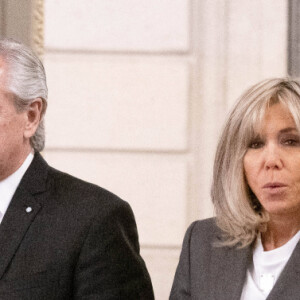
x,y
60,237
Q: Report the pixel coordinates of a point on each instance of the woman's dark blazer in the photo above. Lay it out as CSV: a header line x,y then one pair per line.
x,y
207,272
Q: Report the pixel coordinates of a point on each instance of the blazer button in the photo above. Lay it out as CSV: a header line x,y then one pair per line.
x,y
28,209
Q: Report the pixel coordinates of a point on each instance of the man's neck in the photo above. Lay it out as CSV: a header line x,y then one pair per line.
x,y
17,163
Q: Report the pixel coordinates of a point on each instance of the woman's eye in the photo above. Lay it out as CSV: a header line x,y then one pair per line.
x,y
255,145
291,142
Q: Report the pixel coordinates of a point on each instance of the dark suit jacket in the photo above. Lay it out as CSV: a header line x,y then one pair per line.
x,y
78,242
208,272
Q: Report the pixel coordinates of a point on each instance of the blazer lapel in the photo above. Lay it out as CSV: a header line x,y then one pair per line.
x,y
288,283
228,272
21,211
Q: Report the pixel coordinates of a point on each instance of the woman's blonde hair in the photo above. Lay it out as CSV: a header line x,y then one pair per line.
x,y
238,212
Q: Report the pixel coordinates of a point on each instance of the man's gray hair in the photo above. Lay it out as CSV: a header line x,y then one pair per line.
x,y
26,80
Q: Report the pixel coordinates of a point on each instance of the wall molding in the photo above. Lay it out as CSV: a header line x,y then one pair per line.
x,y
294,38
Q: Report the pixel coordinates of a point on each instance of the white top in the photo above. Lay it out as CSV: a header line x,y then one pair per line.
x,y
265,269
9,185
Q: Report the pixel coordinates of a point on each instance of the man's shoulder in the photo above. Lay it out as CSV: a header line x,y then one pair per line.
x,y
62,191
66,182
75,191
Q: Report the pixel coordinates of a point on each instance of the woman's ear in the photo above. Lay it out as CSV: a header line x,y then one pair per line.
x,y
33,117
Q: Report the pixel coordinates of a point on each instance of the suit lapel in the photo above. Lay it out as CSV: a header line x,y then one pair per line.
x,y
228,272
15,224
22,211
287,285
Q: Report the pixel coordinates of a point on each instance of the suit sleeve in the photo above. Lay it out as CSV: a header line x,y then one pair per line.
x,y
181,285
109,265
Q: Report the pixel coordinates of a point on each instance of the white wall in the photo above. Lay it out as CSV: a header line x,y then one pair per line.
x,y
138,91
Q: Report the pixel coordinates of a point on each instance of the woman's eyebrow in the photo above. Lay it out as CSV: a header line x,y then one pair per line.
x,y
288,129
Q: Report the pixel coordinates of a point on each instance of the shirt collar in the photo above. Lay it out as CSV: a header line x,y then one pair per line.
x,y
9,185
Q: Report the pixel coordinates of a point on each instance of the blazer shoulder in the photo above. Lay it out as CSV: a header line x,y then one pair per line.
x,y
77,192
194,261
203,234
206,227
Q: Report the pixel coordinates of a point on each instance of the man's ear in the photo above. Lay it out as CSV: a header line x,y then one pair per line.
x,y
33,117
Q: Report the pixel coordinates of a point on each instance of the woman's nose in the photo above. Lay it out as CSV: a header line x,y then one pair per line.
x,y
272,157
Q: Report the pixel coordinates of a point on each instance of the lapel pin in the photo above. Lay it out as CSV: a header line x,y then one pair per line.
x,y
28,209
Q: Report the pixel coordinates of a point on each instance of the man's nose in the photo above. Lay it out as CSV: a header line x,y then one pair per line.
x,y
272,157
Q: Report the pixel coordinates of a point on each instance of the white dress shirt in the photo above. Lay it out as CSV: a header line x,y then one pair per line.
x,y
266,268
9,185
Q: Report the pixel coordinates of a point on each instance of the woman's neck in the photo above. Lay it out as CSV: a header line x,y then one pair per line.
x,y
279,231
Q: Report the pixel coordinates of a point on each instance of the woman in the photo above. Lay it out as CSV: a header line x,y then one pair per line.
x,y
250,250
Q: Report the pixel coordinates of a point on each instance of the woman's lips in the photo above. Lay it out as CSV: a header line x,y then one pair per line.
x,y
274,184
274,187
